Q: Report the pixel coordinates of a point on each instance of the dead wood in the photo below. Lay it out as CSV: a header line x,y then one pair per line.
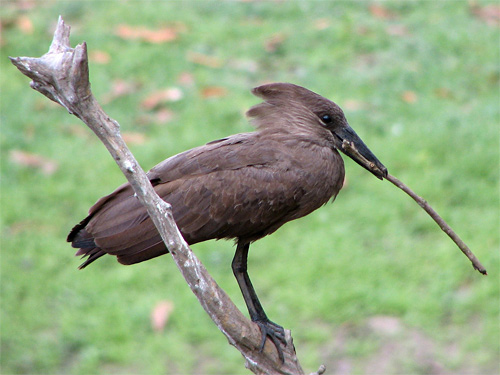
x,y
62,74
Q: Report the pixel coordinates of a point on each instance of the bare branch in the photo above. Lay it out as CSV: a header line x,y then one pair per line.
x,y
62,75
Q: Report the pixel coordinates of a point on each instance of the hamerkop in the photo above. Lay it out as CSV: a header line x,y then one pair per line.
x,y
242,187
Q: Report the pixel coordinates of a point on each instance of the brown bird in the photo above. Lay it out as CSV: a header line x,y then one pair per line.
x,y
242,187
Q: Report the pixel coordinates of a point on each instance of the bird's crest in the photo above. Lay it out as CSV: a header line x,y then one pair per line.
x,y
286,105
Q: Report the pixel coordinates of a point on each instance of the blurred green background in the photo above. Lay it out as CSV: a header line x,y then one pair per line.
x,y
369,285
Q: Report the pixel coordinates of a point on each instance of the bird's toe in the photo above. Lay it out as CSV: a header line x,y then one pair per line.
x,y
275,333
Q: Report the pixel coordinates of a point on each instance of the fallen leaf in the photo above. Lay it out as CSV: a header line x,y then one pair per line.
x,y
397,30
443,92
120,88
202,59
21,226
156,98
213,92
2,26
159,116
134,138
30,226
353,105
322,23
160,314
381,12
274,42
29,132
22,5
247,65
409,97
26,159
186,79
25,25
163,115
385,325
490,14
99,57
160,35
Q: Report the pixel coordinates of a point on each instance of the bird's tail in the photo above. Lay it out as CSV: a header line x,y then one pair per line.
x,y
84,242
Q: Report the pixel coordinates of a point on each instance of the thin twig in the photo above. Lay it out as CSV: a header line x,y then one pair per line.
x,y
442,224
432,213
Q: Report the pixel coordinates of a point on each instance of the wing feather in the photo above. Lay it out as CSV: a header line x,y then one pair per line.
x,y
235,187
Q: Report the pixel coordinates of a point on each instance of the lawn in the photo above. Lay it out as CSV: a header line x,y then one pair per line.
x,y
368,285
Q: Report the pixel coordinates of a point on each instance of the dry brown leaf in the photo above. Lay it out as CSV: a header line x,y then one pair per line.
x,y
21,226
443,92
381,12
160,35
120,88
26,159
353,105
156,98
29,132
163,115
397,30
23,5
160,315
206,60
25,25
213,92
322,23
99,57
29,226
274,42
490,14
186,79
159,116
409,97
2,40
246,65
134,138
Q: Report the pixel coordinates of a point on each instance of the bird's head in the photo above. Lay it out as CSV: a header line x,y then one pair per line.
x,y
287,104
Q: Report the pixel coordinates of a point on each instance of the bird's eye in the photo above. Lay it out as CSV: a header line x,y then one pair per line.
x,y
326,119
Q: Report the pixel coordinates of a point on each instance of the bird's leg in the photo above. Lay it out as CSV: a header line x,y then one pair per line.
x,y
268,328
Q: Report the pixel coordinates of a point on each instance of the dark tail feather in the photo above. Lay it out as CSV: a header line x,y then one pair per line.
x,y
84,242
92,254
77,229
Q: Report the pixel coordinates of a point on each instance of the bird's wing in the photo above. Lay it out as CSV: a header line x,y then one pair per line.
x,y
228,188
225,153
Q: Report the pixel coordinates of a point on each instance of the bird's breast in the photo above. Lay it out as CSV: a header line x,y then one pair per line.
x,y
317,174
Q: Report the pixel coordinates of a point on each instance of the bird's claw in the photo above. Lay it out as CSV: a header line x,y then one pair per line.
x,y
275,333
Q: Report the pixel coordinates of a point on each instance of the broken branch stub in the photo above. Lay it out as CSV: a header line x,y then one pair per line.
x,y
62,75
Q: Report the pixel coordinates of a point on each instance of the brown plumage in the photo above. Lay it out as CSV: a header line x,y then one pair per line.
x,y
241,187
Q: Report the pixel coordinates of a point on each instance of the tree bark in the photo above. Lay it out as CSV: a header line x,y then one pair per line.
x,y
62,74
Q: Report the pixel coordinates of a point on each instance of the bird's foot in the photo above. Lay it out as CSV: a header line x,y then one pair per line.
x,y
275,333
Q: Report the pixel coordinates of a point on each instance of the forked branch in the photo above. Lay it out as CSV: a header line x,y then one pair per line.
x,y
62,75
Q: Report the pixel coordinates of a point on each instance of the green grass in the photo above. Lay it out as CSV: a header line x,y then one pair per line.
x,y
327,276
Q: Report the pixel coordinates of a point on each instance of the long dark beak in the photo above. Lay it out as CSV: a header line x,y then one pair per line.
x,y
350,144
